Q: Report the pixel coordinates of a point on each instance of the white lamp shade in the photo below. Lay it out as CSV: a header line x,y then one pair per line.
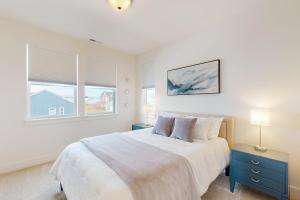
x,y
260,118
147,109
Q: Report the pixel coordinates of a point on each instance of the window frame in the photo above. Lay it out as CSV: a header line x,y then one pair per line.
x,y
75,106
50,110
61,111
101,113
28,83
146,103
146,97
79,99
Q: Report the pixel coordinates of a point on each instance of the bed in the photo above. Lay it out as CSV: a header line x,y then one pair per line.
x,y
84,176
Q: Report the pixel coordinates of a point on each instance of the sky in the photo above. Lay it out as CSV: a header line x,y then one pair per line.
x,y
68,92
65,91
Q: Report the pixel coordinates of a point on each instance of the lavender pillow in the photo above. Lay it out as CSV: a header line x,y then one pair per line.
x,y
183,129
163,126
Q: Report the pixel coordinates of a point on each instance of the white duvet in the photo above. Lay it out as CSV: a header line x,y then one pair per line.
x,y
85,177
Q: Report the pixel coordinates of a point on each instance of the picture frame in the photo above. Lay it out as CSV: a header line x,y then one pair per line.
x,y
201,78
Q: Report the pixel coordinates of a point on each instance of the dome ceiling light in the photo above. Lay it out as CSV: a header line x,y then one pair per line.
x,y
120,5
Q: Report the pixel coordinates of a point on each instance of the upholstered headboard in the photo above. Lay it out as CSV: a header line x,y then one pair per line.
x,y
226,129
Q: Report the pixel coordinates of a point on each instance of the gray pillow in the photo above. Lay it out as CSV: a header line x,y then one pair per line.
x,y
163,126
183,129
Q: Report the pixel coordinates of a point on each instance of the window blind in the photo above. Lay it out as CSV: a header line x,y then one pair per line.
x,y
47,65
148,81
100,72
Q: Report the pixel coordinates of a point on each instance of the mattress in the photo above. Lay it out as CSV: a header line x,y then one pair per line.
x,y
84,176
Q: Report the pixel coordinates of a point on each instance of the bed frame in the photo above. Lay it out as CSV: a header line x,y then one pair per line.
x,y
226,130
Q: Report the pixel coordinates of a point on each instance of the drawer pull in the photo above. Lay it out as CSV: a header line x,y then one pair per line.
x,y
255,180
255,171
255,163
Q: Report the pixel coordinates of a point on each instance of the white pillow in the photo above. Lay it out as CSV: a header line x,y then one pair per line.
x,y
166,114
215,125
169,114
201,128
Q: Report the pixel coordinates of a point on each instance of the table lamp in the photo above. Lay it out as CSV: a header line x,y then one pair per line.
x,y
147,109
260,118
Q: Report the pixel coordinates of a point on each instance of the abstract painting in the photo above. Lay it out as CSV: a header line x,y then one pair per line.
x,y
202,78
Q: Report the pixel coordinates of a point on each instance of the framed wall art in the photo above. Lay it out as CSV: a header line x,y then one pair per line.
x,y
202,78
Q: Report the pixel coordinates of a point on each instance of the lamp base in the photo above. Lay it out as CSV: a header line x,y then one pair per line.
x,y
260,148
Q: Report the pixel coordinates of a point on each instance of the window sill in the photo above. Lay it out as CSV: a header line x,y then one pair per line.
x,y
99,116
51,120
67,119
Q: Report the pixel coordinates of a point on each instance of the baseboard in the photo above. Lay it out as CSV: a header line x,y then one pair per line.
x,y
294,193
22,164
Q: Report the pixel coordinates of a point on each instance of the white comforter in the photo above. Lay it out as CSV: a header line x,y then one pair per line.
x,y
85,177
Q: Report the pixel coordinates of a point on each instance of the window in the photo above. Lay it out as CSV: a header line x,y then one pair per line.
x,y
150,96
52,111
49,100
99,100
62,111
149,105
51,82
100,86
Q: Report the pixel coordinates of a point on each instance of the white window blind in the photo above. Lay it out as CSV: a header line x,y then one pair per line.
x,y
47,65
100,72
148,80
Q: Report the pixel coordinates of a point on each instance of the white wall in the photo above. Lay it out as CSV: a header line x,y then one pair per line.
x,y
23,144
260,68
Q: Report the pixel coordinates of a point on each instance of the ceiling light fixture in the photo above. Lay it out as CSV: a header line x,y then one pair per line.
x,y
120,5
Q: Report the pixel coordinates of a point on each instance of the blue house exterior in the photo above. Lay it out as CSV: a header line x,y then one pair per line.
x,y
48,104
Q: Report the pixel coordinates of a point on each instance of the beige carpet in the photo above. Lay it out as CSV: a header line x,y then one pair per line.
x,y
37,184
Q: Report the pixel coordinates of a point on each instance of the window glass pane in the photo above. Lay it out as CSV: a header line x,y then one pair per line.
x,y
99,100
49,100
150,96
52,111
149,105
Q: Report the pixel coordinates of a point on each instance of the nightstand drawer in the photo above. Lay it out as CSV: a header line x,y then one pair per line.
x,y
260,181
259,171
258,161
266,172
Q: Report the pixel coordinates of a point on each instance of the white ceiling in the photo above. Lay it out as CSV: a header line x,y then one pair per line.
x,y
146,25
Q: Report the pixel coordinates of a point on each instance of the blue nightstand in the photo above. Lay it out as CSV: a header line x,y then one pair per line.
x,y
140,126
266,172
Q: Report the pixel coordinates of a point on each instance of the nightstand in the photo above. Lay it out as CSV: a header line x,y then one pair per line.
x,y
140,126
266,172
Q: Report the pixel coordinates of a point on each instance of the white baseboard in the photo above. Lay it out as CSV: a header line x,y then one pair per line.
x,y
294,192
22,164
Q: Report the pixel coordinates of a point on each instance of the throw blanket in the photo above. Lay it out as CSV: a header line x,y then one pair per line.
x,y
149,172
